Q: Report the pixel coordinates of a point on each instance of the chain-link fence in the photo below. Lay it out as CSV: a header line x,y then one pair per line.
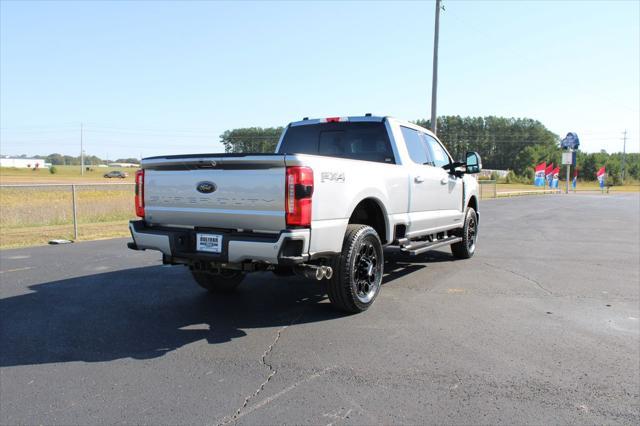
x,y
488,189
35,214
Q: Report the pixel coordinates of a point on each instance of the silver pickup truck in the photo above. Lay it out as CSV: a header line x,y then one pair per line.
x,y
336,193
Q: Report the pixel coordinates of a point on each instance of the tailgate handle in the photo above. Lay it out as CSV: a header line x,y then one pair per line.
x,y
208,165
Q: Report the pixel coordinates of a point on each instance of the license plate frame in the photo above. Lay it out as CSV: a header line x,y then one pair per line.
x,y
209,243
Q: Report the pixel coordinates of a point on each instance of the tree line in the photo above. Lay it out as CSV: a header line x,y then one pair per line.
x,y
515,144
69,160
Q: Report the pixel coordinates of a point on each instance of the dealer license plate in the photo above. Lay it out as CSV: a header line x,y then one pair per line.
x,y
211,243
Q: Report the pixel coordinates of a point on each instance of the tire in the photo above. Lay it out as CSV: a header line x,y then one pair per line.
x,y
225,282
465,248
357,275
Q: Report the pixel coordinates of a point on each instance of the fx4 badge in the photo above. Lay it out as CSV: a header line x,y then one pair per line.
x,y
332,177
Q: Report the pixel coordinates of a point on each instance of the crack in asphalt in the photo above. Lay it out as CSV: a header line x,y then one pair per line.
x,y
272,372
543,288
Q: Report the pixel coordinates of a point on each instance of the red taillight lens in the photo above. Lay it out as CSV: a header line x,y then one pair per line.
x,y
140,193
299,189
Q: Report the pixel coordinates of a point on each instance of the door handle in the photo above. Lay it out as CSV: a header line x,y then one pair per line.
x,y
418,179
444,181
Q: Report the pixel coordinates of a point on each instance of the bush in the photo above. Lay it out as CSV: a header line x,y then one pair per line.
x,y
514,178
53,170
614,179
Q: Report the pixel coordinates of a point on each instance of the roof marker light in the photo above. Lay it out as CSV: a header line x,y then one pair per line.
x,y
334,119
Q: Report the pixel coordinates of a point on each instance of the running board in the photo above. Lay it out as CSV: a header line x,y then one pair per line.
x,y
419,247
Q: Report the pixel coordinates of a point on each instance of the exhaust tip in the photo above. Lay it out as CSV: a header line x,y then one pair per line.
x,y
319,274
328,273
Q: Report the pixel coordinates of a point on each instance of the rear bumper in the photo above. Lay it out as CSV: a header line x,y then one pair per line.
x,y
286,248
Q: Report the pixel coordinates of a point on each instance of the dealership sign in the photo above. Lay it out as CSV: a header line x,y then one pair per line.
x,y
570,141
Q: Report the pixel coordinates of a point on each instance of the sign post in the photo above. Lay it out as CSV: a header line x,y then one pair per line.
x,y
570,145
568,159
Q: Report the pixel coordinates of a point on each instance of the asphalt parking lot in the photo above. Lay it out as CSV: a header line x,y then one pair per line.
x,y
541,326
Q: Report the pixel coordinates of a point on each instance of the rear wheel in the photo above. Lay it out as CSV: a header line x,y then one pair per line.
x,y
357,276
465,248
224,282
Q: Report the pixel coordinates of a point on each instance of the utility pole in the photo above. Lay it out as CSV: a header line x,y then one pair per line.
x,y
434,82
624,153
81,152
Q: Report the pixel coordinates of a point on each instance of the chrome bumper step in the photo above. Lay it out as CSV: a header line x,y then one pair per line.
x,y
419,247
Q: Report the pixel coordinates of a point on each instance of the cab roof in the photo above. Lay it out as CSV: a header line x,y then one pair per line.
x,y
356,118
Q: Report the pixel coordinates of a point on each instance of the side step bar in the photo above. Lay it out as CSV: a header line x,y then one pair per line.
x,y
419,247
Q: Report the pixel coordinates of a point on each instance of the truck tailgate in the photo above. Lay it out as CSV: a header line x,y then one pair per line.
x,y
216,191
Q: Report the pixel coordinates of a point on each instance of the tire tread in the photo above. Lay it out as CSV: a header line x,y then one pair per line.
x,y
460,250
339,287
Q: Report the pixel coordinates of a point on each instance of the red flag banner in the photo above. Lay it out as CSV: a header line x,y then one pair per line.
x,y
538,179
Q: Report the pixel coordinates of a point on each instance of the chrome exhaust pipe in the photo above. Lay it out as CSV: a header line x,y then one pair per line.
x,y
310,271
315,272
328,272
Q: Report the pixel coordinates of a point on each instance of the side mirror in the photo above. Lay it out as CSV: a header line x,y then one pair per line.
x,y
473,162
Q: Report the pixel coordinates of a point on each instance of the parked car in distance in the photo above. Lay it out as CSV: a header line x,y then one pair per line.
x,y
116,174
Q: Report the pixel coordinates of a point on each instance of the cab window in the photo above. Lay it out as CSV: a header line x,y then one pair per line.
x,y
367,141
416,146
439,155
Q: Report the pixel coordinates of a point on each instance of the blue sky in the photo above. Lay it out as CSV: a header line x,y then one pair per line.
x,y
151,78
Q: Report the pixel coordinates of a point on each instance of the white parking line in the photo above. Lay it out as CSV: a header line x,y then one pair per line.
x,y
16,269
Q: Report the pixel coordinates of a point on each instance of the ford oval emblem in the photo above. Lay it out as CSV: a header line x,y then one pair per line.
x,y
206,187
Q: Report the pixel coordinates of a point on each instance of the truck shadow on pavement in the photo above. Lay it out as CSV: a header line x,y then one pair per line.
x,y
397,264
144,313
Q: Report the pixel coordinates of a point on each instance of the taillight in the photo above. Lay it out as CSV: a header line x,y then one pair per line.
x,y
299,190
140,193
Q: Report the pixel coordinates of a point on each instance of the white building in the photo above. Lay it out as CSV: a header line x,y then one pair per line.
x,y
123,165
24,163
489,172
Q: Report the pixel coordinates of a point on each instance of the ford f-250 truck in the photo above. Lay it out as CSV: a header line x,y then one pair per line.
x,y
336,193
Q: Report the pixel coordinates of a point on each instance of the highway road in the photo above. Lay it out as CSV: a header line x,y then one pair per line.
x,y
541,326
